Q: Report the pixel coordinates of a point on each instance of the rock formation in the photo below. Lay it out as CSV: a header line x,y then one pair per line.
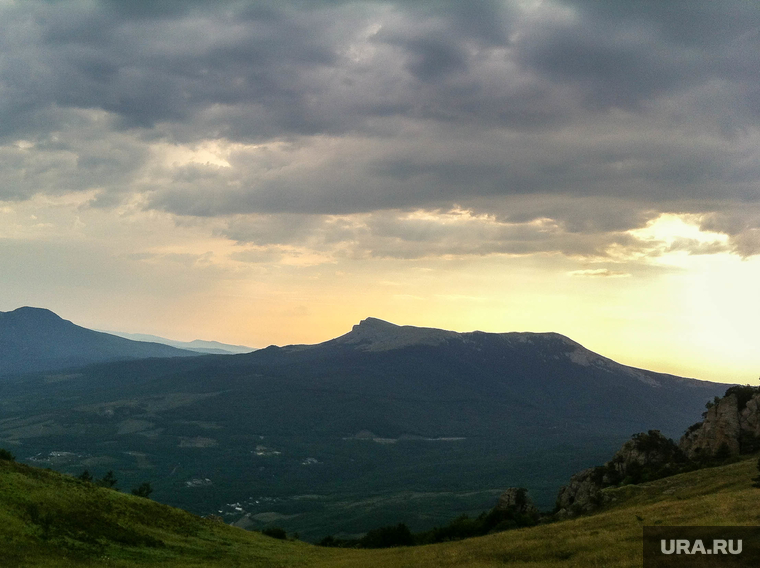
x,y
731,426
582,495
516,499
645,456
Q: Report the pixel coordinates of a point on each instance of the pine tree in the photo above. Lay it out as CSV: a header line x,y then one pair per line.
x,y
108,480
85,476
143,491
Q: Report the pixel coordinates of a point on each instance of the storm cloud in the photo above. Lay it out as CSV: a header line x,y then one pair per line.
x,y
556,126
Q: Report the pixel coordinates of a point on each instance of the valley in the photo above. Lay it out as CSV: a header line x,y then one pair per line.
x,y
385,424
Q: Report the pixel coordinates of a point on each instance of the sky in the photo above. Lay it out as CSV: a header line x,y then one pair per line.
x,y
272,172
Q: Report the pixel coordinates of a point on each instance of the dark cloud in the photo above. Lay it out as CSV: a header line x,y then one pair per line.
x,y
596,115
159,62
621,54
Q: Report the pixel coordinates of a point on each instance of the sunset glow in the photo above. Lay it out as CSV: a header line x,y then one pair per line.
x,y
508,166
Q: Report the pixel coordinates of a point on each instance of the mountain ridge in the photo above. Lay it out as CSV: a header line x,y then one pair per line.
x,y
452,418
37,339
204,346
376,335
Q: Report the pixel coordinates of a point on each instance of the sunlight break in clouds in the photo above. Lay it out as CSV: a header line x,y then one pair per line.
x,y
253,172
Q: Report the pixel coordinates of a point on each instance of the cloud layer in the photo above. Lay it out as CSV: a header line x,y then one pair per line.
x,y
401,129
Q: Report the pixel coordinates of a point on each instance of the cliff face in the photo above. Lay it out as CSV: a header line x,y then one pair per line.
x,y
645,456
582,495
516,499
731,427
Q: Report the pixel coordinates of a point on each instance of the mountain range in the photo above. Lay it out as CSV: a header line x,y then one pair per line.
x,y
384,424
36,339
197,345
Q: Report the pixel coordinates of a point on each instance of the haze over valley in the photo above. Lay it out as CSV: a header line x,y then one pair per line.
x,y
385,422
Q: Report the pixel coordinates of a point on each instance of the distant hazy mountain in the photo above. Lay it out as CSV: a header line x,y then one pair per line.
x,y
197,345
382,425
36,339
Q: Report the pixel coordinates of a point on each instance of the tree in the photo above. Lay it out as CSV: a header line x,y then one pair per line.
x,y
6,455
108,480
85,476
143,491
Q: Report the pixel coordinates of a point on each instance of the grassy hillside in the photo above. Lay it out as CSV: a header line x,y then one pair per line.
x,y
48,519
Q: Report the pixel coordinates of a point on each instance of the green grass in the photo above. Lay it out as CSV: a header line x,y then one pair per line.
x,y
48,519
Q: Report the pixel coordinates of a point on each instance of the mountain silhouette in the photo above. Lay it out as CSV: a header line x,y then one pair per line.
x,y
36,339
377,415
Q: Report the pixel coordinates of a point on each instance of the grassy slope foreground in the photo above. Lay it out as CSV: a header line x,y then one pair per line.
x,y
48,519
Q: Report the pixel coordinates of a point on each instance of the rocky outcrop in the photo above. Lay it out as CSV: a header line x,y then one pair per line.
x,y
516,499
582,495
731,426
749,417
644,457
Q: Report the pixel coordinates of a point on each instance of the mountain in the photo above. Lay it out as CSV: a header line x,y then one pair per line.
x,y
197,345
36,339
546,376
383,424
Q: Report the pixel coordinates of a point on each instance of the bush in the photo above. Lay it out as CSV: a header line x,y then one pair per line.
x,y
694,427
143,491
6,455
85,476
275,532
108,480
756,480
339,542
743,394
386,537
748,443
723,453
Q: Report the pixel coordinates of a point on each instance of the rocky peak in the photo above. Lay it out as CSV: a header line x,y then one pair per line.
x,y
374,334
731,426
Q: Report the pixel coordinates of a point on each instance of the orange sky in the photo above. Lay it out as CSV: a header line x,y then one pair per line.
x,y
274,172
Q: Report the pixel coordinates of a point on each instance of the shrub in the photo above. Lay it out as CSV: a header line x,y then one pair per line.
x,y
144,490
6,455
756,480
723,453
275,532
743,394
386,537
748,443
85,476
108,480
